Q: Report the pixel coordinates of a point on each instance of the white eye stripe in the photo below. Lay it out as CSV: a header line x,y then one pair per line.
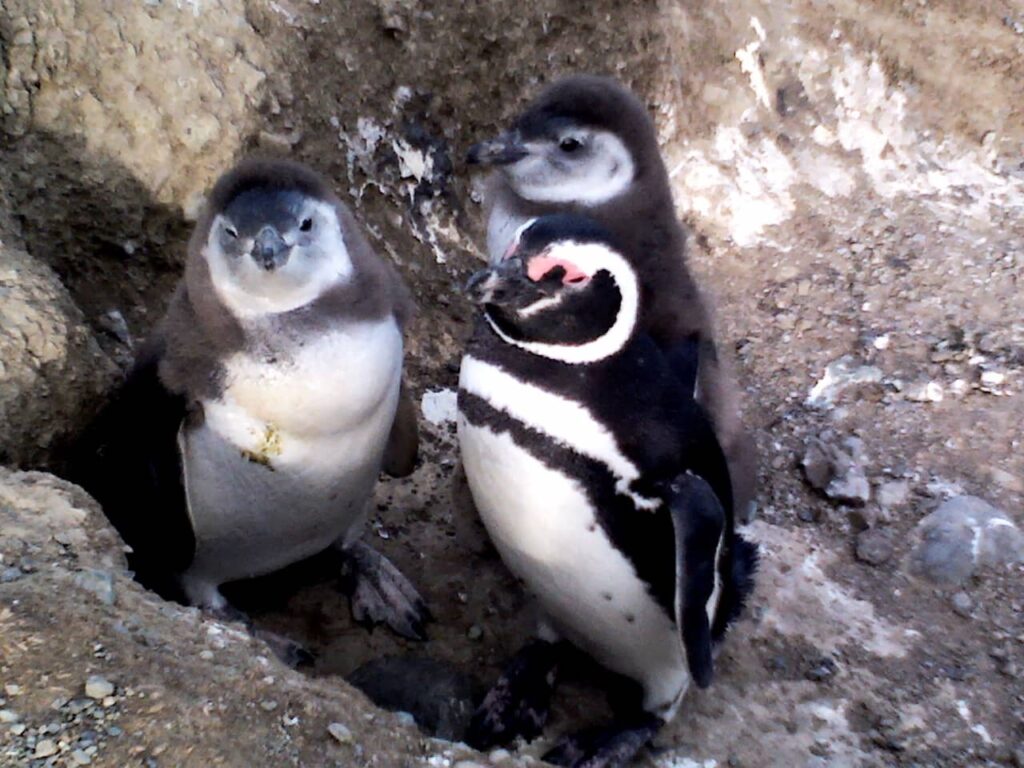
x,y
595,257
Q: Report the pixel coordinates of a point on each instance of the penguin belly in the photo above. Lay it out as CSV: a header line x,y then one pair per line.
x,y
284,463
543,524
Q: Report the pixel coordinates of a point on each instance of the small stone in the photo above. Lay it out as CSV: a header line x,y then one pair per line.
x,y
45,748
80,758
99,583
98,687
114,731
925,392
962,604
12,573
893,494
268,705
109,701
18,729
340,733
206,655
836,469
12,689
475,632
821,670
874,546
9,716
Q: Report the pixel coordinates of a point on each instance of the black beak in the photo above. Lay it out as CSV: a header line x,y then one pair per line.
x,y
504,150
269,250
499,284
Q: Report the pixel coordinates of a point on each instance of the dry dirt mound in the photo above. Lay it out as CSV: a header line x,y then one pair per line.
x,y
851,172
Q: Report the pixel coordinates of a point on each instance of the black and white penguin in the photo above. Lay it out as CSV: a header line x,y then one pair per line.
x,y
251,431
587,145
603,490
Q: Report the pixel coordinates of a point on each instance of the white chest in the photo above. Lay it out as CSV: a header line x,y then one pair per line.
x,y
285,462
543,524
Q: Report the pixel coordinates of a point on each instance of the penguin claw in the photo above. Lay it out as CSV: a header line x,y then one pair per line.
x,y
519,702
612,747
380,594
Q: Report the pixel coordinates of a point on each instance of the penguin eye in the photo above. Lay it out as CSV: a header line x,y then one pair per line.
x,y
570,144
231,232
306,225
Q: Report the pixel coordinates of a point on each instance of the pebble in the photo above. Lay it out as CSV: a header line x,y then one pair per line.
x,y
12,573
206,655
9,716
962,604
340,733
12,689
821,670
837,469
893,493
45,748
268,705
80,757
475,632
874,546
98,583
98,687
18,729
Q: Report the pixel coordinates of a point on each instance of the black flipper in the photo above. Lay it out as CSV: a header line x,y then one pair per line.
x,y
700,524
403,441
519,702
129,461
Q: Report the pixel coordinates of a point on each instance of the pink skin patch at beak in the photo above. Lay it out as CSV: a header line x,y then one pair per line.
x,y
541,265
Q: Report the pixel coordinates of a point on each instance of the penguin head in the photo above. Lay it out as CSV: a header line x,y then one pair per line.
x,y
585,140
274,241
563,290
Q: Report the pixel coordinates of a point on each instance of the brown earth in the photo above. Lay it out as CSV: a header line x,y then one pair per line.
x,y
853,182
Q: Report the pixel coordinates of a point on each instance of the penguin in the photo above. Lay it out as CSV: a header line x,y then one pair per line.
x,y
587,145
603,489
252,428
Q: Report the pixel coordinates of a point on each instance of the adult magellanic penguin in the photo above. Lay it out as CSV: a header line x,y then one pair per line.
x,y
250,432
601,487
587,145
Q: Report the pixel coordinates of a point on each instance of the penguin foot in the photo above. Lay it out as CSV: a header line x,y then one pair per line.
x,y
380,594
519,702
610,747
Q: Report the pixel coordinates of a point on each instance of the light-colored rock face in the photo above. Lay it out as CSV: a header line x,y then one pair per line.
x,y
51,368
175,108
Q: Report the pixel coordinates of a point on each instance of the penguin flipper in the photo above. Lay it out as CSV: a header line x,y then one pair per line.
x,y
404,441
129,461
684,358
699,523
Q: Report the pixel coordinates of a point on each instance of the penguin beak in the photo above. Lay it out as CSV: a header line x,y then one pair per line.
x,y
506,149
497,285
269,250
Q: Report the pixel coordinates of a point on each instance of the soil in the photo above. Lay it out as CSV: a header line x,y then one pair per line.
x,y
851,175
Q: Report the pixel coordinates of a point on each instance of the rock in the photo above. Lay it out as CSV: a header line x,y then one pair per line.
x,y
893,493
340,733
52,371
440,697
840,375
9,716
821,670
80,757
836,469
99,583
874,546
45,748
962,604
963,535
98,687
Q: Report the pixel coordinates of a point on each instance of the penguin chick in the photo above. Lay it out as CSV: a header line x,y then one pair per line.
x,y
586,144
251,430
603,490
